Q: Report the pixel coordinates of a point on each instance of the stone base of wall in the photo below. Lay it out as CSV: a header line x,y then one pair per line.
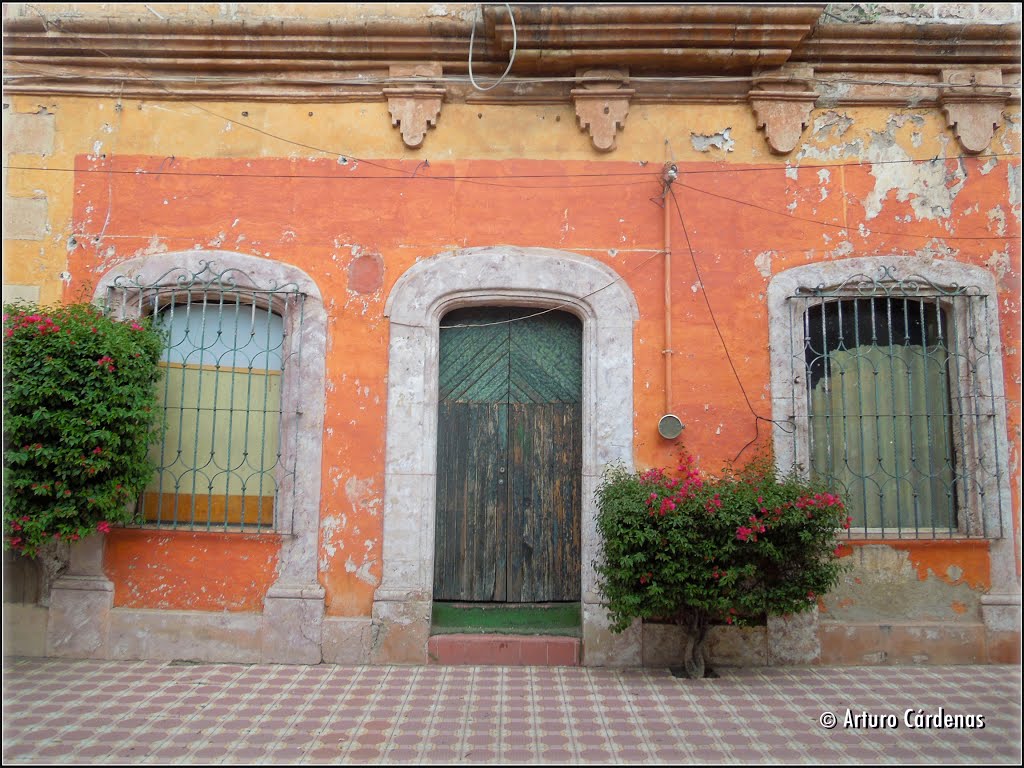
x,y
784,641
185,635
838,644
920,643
347,640
24,630
238,638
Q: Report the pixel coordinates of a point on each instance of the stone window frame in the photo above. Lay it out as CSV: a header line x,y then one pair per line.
x,y
492,276
297,573
791,439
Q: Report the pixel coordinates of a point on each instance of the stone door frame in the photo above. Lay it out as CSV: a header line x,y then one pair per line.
x,y
511,276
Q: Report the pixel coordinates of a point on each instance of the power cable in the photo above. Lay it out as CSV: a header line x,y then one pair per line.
x,y
464,79
714,321
842,226
335,177
454,177
619,278
852,163
47,22
512,54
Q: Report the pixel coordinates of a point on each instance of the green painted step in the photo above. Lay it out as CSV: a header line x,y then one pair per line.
x,y
561,619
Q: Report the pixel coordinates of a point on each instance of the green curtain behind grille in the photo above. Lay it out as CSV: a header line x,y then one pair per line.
x,y
881,431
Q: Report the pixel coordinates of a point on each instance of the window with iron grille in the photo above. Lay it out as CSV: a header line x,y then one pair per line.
x,y
226,461
890,387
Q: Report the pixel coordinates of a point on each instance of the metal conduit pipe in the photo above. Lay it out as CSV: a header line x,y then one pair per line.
x,y
669,426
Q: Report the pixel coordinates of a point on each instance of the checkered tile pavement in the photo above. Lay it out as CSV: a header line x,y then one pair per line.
x,y
71,711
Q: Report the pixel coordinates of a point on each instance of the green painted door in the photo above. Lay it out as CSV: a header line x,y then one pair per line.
x,y
509,456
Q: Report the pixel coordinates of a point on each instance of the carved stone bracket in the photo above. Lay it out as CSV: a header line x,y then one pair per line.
x,y
414,107
602,103
974,105
782,100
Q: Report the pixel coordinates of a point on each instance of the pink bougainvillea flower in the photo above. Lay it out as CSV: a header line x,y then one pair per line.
x,y
103,526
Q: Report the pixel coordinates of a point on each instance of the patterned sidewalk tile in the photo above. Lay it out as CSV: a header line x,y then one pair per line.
x,y
70,711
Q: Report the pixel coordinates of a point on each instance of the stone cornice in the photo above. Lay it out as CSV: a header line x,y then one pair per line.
x,y
912,44
327,61
681,38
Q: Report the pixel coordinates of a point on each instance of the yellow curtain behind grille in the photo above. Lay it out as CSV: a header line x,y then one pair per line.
x,y
221,444
881,431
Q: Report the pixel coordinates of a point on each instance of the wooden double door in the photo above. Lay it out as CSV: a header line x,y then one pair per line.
x,y
509,456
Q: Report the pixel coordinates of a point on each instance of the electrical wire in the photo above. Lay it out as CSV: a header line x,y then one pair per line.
x,y
335,177
714,321
464,177
46,25
842,226
464,79
398,171
512,54
853,163
618,279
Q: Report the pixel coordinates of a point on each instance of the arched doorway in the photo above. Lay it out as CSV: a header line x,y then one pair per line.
x,y
495,276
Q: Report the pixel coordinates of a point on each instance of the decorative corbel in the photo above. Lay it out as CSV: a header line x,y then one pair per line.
x,y
782,100
973,105
602,103
414,107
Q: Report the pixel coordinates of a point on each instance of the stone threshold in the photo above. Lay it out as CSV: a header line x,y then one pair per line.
x,y
504,650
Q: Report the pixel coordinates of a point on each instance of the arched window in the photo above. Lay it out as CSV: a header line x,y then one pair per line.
x,y
221,400
228,456
887,385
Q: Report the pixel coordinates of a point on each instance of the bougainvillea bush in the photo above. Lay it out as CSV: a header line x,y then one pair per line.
x,y
79,414
695,549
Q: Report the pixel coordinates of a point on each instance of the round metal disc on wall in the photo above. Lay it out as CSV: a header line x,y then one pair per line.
x,y
670,427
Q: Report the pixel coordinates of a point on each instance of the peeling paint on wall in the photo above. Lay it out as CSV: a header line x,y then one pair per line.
x,y
763,263
705,142
931,187
831,125
911,581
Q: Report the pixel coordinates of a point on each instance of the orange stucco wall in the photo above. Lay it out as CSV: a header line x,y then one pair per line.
x,y
320,215
190,571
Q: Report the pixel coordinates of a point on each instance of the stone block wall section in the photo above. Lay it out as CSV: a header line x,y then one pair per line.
x,y
25,217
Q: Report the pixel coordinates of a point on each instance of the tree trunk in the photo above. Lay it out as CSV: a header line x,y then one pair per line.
x,y
695,626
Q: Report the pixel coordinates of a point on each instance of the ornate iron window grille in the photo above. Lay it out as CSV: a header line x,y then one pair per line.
x,y
238,473
897,396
